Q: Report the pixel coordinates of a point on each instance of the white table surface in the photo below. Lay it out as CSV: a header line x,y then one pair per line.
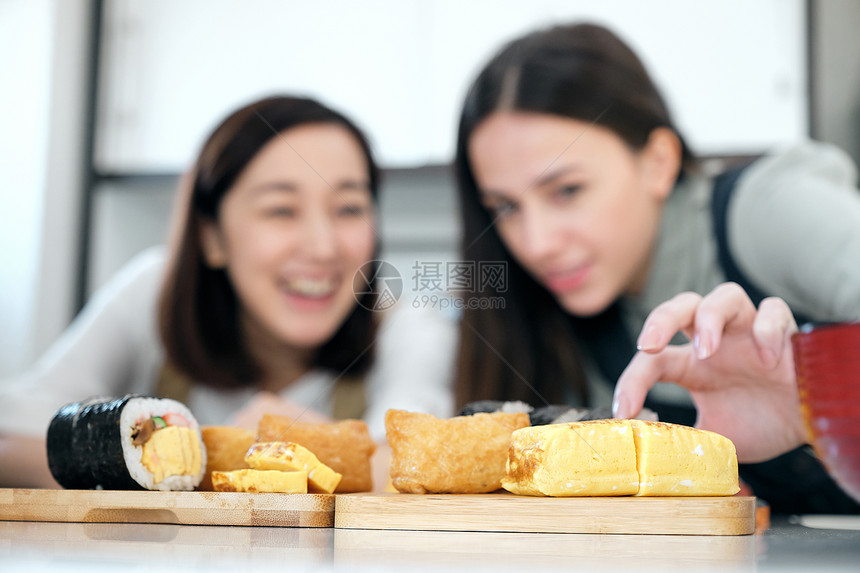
x,y
93,547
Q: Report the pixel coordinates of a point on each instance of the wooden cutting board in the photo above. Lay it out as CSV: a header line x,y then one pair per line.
x,y
484,512
179,507
507,512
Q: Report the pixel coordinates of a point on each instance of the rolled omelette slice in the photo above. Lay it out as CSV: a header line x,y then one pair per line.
x,y
620,457
289,456
260,481
574,459
679,460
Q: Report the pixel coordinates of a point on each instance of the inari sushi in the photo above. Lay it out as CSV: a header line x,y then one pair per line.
x,y
133,442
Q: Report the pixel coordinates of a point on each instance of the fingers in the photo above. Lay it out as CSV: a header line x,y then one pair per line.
x,y
727,307
675,315
645,370
774,324
702,320
727,310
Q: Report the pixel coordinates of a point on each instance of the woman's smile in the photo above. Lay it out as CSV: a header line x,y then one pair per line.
x,y
568,279
311,287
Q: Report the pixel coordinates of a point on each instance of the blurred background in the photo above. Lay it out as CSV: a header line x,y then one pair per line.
x,y
105,102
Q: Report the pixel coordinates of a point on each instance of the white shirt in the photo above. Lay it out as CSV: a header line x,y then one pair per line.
x,y
112,348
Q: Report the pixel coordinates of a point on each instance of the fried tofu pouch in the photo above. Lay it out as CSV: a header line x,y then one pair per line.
x,y
465,454
226,447
344,446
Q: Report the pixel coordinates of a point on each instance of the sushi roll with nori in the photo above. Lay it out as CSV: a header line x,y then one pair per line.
x,y
133,442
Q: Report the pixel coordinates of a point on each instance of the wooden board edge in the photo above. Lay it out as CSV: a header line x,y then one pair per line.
x,y
734,515
181,508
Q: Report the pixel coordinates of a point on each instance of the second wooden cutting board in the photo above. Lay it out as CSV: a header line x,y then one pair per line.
x,y
506,512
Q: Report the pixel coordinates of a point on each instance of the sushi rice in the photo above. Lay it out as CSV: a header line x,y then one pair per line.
x,y
138,409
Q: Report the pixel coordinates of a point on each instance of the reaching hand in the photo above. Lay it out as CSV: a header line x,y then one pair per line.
x,y
739,368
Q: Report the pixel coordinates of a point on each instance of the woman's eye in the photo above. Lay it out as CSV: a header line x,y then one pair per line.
x,y
351,210
568,190
503,209
280,212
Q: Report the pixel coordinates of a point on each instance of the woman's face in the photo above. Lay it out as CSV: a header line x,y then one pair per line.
x,y
576,207
292,232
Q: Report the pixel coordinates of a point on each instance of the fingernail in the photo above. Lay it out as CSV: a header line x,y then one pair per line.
x,y
619,407
702,344
649,339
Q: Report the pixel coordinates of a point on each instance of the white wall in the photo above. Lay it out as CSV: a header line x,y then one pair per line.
x,y
733,70
25,32
41,101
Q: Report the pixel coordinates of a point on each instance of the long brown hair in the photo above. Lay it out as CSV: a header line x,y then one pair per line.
x,y
198,308
526,348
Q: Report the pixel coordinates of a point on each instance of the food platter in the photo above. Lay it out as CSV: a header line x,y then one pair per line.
x,y
502,512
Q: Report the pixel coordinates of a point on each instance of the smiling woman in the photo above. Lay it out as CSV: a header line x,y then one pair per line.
x,y
259,306
280,237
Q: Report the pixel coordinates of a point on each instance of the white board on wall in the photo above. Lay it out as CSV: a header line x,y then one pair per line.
x,y
733,71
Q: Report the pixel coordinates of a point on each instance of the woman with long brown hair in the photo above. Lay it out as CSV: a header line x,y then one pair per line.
x,y
573,173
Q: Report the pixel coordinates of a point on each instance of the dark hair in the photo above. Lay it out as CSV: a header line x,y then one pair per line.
x,y
198,309
583,72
